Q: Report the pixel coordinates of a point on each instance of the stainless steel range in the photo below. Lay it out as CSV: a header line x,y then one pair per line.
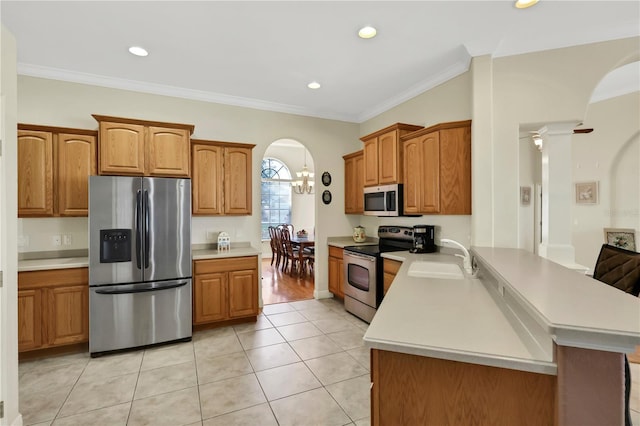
x,y
363,270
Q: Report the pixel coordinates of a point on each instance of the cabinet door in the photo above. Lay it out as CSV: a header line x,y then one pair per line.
x,y
349,185
35,173
455,171
334,275
29,319
243,293
412,175
167,152
389,156
76,161
354,184
359,184
390,269
340,277
121,148
237,181
206,182
430,166
68,315
371,162
210,298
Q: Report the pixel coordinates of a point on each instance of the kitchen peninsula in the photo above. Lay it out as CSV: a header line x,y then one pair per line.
x,y
525,341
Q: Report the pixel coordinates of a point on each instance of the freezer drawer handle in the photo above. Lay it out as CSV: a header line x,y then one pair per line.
x,y
141,289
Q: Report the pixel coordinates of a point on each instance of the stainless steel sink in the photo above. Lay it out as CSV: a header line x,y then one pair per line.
x,y
427,269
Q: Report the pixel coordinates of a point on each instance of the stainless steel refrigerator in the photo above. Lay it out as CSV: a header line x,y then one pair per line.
x,y
139,262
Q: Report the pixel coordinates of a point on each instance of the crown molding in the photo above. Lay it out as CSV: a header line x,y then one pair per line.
x,y
455,69
176,92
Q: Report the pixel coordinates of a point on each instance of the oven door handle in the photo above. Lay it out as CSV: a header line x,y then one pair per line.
x,y
360,256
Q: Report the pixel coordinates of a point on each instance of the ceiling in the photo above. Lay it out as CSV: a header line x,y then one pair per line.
x,y
263,54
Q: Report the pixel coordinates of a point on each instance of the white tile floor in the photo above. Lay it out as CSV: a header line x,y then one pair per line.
x,y
301,363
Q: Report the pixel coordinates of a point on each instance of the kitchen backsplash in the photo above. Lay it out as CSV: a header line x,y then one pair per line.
x,y
71,233
55,233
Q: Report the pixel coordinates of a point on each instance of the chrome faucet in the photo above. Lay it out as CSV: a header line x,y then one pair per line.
x,y
466,259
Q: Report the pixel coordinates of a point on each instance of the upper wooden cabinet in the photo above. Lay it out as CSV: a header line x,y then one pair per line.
x,y
54,165
437,169
143,148
383,156
221,178
354,183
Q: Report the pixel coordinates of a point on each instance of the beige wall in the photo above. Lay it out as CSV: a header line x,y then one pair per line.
x,y
610,155
8,254
544,87
450,101
58,103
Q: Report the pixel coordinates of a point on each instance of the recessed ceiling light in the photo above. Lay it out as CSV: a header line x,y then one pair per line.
x,y
523,4
313,85
138,51
367,32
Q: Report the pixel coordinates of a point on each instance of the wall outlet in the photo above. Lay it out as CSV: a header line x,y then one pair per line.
x,y
66,239
23,241
56,240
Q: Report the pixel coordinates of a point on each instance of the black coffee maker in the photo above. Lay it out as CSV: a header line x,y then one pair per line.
x,y
423,239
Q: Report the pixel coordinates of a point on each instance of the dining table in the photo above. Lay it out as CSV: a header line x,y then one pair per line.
x,y
301,243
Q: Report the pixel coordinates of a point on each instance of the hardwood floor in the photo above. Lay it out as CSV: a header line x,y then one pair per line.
x,y
279,287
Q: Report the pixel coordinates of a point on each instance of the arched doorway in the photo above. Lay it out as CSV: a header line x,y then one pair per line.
x,y
282,203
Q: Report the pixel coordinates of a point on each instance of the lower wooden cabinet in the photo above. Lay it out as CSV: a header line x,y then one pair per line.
x,y
53,308
390,268
418,390
225,289
336,271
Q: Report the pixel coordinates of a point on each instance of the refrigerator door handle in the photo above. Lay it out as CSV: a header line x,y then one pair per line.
x,y
146,229
128,289
138,221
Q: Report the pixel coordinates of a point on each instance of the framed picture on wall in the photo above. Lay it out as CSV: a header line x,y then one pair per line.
x,y
621,237
587,192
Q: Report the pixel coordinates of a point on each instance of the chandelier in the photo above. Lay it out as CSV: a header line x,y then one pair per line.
x,y
304,183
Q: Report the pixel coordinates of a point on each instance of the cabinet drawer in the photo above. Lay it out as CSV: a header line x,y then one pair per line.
x,y
335,252
225,265
52,278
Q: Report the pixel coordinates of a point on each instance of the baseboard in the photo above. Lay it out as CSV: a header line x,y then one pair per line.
x,y
322,294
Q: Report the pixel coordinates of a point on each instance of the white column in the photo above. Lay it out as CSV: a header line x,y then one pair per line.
x,y
557,193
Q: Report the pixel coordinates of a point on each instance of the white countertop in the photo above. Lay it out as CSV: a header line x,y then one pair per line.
x,y
509,317
575,309
233,252
343,242
56,263
457,320
83,262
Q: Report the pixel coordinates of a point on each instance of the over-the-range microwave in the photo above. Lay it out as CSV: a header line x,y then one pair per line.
x,y
385,200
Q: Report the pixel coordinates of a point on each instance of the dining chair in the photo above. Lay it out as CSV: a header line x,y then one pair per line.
x,y
620,268
289,227
292,254
276,253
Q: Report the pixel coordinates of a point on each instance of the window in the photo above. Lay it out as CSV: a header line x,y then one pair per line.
x,y
276,194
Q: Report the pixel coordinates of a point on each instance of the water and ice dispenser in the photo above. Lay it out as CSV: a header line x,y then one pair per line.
x,y
115,245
